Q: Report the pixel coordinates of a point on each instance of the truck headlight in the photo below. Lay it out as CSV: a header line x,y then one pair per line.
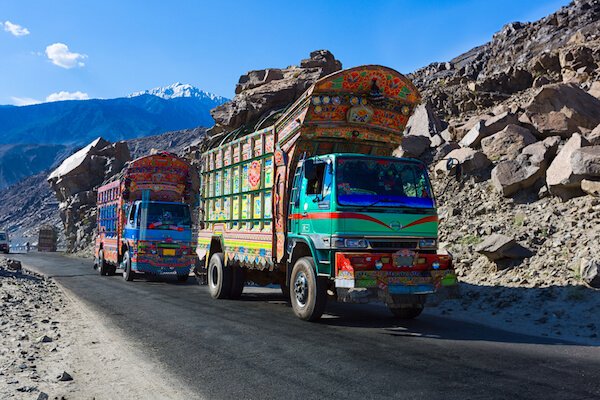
x,y
350,243
427,243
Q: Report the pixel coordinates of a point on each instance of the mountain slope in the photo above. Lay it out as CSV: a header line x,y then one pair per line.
x,y
20,161
79,122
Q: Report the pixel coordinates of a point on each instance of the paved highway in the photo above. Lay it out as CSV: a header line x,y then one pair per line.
x,y
255,348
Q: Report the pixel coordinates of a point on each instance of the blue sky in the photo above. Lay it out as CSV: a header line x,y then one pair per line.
x,y
106,48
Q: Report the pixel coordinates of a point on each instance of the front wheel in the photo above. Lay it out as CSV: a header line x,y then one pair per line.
x,y
219,277
308,292
407,312
128,274
102,264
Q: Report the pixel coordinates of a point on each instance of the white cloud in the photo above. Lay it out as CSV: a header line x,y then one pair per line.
x,y
15,29
24,101
60,55
63,95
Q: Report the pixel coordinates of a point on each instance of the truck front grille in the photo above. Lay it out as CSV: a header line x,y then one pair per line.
x,y
393,245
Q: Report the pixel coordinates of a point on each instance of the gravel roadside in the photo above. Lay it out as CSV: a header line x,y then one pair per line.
x,y
53,347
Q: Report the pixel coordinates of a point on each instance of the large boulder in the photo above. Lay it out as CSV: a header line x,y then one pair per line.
x,y
75,182
560,178
471,161
591,187
507,143
424,122
561,109
488,127
594,136
412,146
594,90
259,93
510,176
497,247
586,161
589,270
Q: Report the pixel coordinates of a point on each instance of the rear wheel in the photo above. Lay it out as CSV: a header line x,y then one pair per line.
x,y
219,277
238,280
308,292
128,274
102,264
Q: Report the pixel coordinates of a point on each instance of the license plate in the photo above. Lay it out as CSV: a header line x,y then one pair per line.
x,y
168,252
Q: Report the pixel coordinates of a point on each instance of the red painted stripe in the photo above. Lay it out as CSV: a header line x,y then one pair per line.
x,y
338,215
431,218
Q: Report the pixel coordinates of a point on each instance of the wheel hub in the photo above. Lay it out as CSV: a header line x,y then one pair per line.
x,y
214,277
301,289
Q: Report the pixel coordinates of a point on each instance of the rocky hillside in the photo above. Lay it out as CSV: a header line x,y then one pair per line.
x,y
20,161
522,116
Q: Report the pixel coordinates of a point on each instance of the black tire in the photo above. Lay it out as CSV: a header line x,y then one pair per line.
x,y
308,293
102,264
238,280
219,277
407,312
128,274
182,278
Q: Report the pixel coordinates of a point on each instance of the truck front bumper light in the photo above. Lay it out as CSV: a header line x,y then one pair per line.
x,y
350,243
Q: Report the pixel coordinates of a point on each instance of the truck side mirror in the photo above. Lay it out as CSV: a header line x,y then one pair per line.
x,y
453,163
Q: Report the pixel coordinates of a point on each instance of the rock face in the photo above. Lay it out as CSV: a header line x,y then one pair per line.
x,y
260,92
560,47
507,143
497,247
562,181
75,182
561,109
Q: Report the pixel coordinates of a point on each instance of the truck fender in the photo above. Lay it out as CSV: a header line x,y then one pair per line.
x,y
296,248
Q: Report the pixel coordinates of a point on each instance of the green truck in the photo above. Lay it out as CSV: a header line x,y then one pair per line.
x,y
317,204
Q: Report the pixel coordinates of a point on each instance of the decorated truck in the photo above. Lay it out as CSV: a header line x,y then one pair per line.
x,y
317,204
144,219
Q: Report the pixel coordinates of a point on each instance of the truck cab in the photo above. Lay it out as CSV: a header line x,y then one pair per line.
x,y
371,225
4,242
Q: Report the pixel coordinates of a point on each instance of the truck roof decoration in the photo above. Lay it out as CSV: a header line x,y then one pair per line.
x,y
166,175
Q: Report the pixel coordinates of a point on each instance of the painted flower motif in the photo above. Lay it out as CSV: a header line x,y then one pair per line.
x,y
326,99
352,80
316,100
336,100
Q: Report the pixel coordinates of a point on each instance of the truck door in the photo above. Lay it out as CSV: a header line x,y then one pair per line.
x,y
315,202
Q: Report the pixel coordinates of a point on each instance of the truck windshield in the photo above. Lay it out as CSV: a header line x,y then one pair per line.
x,y
168,216
382,183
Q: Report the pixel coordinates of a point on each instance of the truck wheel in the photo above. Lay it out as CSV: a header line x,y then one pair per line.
x,y
308,292
407,312
238,280
102,264
219,277
128,274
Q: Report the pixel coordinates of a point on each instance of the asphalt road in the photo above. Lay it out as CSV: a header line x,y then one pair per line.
x,y
255,348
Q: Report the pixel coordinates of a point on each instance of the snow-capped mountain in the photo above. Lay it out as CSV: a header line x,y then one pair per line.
x,y
179,89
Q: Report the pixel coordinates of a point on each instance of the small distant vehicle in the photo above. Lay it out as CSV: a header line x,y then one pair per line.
x,y
144,219
4,242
